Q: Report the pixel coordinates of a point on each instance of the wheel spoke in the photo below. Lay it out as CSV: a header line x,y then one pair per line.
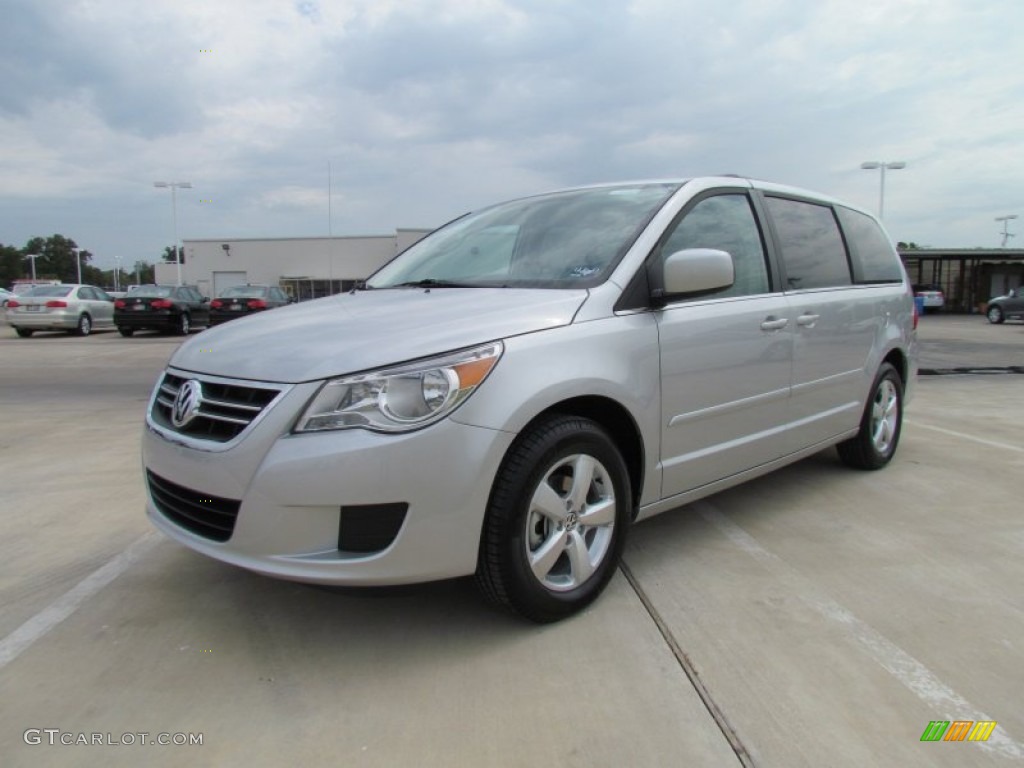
x,y
599,514
548,503
582,477
543,559
579,558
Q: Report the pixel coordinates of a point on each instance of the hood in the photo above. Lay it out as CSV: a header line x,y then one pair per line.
x,y
361,331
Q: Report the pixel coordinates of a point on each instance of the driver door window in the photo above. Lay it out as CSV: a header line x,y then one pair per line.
x,y
726,223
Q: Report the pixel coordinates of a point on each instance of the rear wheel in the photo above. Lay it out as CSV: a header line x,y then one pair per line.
x,y
184,324
84,327
126,332
556,521
874,445
23,332
995,314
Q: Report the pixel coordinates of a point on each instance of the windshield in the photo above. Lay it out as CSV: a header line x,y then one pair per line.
x,y
49,290
244,292
562,240
150,291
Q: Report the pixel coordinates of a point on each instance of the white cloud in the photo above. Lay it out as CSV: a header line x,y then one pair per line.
x,y
427,109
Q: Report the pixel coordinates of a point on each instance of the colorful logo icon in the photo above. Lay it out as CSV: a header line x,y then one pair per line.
x,y
958,730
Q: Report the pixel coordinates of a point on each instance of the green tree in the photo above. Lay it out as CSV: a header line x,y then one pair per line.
x,y
168,254
13,265
142,273
57,259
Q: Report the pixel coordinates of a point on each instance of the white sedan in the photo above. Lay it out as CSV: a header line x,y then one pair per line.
x,y
69,307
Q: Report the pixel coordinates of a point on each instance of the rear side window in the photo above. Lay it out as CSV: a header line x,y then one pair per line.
x,y
874,258
813,253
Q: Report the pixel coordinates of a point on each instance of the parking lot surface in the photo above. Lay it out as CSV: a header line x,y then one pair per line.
x,y
816,616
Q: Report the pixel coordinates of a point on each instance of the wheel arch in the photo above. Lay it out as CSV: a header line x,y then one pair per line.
x,y
900,362
619,424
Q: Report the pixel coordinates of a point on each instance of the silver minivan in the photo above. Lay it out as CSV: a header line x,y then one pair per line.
x,y
507,396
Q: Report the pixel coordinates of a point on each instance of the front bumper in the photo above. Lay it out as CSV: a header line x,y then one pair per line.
x,y
291,489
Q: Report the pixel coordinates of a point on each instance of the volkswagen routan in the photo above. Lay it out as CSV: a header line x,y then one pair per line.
x,y
508,396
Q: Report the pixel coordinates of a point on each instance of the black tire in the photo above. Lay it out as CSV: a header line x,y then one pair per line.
x,y
84,327
875,444
995,314
24,332
126,332
554,451
184,324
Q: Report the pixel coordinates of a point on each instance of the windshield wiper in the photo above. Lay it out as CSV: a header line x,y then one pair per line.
x,y
432,282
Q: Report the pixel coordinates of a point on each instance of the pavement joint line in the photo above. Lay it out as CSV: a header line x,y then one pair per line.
x,y
965,436
905,668
39,625
727,729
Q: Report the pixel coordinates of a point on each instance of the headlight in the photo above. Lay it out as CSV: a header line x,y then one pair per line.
x,y
403,398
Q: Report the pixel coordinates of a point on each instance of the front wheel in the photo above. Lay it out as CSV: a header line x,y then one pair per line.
x,y
995,314
874,445
184,324
556,521
84,327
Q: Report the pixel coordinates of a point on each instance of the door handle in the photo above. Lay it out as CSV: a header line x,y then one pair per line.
x,y
774,324
807,320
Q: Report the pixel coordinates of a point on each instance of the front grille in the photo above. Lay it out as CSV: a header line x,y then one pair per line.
x,y
224,412
211,517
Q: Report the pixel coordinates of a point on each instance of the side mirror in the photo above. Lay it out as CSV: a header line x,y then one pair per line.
x,y
697,270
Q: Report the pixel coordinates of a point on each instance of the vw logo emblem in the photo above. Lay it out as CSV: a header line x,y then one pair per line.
x,y
186,403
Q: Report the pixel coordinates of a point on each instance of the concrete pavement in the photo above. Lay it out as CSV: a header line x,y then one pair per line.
x,y
818,616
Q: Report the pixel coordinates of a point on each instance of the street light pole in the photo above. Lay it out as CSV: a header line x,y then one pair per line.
x,y
78,263
175,186
117,273
1006,224
871,165
33,257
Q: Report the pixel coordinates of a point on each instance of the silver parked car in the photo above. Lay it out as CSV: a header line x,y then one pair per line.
x,y
69,307
511,393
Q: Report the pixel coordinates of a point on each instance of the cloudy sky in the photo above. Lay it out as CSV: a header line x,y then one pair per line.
x,y
424,109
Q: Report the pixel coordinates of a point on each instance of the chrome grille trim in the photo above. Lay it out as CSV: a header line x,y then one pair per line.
x,y
229,409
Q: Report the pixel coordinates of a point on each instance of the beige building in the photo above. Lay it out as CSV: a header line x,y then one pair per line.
x,y
305,267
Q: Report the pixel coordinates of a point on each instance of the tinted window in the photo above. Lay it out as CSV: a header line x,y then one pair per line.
x,y
49,290
874,258
727,223
244,292
150,291
813,253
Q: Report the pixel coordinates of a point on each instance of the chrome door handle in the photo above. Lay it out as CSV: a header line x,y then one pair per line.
x,y
807,320
774,324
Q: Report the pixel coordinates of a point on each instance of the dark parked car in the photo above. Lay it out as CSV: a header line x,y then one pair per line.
x,y
242,300
175,308
1008,307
